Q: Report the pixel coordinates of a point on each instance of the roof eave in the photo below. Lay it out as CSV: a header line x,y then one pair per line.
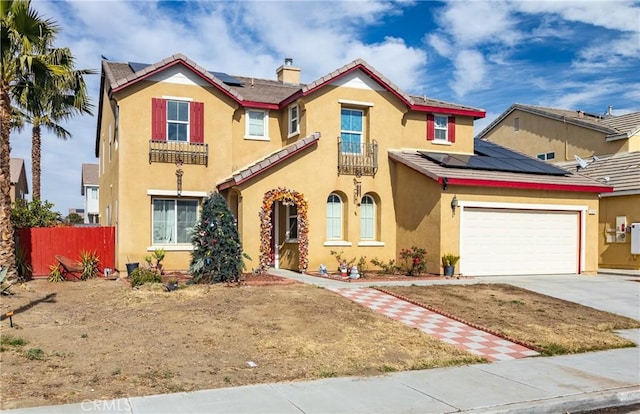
x,y
528,185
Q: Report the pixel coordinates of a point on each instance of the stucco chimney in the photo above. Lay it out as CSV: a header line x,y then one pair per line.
x,y
287,73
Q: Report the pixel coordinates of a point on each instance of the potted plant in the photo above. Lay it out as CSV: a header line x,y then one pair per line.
x,y
449,262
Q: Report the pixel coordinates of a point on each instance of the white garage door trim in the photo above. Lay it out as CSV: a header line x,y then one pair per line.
x,y
549,208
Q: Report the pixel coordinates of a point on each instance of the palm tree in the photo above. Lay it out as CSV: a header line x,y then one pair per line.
x,y
24,39
54,99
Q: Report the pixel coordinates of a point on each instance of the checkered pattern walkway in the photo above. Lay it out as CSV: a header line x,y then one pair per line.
x,y
478,342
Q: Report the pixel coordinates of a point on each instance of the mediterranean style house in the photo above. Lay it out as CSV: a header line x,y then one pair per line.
x,y
348,163
603,147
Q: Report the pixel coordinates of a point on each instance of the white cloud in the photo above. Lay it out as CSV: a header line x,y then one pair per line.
x,y
470,73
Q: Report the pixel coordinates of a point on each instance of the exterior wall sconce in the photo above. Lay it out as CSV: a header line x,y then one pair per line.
x,y
179,173
445,183
357,191
454,204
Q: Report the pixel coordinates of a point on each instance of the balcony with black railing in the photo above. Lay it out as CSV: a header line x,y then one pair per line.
x,y
355,158
173,152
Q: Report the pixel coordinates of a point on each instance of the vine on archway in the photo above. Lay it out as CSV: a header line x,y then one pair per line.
x,y
288,198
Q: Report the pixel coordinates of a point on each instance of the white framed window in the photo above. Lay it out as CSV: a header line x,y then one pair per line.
x,y
94,193
292,224
367,218
294,124
177,121
441,127
173,220
334,217
546,156
257,124
351,130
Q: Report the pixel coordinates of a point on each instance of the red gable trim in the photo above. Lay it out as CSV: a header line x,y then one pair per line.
x,y
168,65
449,111
527,185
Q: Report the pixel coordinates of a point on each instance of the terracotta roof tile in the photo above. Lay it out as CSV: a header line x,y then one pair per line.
x,y
622,170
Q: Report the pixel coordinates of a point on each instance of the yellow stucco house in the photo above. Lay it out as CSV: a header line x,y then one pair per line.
x,y
603,147
348,163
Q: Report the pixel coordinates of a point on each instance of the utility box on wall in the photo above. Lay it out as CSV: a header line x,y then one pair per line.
x,y
635,238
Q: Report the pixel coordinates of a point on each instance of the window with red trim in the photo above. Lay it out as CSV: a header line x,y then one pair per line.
x,y
441,128
176,120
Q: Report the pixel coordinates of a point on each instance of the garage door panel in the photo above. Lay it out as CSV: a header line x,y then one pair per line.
x,y
503,241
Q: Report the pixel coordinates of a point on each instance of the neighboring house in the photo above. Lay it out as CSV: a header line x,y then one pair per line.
x,y
348,163
19,185
602,147
89,189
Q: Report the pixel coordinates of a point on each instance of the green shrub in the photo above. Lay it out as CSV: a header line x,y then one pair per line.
x,y
140,276
89,262
35,353
12,340
55,273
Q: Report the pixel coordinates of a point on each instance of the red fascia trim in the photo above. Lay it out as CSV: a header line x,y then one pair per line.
x,y
348,71
527,185
175,62
448,111
259,105
231,182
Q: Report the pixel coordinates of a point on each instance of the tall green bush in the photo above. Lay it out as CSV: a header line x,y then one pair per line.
x,y
34,213
217,252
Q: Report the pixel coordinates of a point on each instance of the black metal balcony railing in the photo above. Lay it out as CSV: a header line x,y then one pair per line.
x,y
357,159
172,151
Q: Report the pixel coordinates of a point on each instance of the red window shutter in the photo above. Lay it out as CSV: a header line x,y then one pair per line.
x,y
196,124
451,128
158,119
431,131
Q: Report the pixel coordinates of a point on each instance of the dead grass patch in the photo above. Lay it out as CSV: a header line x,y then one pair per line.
x,y
553,325
101,340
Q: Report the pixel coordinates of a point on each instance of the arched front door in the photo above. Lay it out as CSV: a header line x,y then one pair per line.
x,y
283,221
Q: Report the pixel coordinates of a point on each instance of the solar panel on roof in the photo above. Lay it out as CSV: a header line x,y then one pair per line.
x,y
492,157
136,67
226,78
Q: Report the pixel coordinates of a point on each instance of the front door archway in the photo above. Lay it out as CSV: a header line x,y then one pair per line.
x,y
287,197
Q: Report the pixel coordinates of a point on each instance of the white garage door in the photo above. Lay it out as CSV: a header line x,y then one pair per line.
x,y
519,242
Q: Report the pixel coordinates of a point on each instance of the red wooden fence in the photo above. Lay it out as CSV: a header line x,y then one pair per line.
x,y
42,244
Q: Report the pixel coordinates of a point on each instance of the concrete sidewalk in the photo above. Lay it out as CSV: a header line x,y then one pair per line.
x,y
561,384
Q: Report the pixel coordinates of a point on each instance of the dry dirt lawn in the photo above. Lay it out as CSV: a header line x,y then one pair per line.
x,y
100,339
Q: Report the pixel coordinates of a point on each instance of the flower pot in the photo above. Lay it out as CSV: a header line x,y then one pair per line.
x,y
131,267
449,270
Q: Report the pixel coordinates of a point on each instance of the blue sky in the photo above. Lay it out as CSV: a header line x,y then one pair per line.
x,y
486,54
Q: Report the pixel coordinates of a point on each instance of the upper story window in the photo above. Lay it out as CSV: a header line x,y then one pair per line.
x,y
94,193
546,156
441,124
516,124
294,124
351,129
441,128
257,124
177,120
